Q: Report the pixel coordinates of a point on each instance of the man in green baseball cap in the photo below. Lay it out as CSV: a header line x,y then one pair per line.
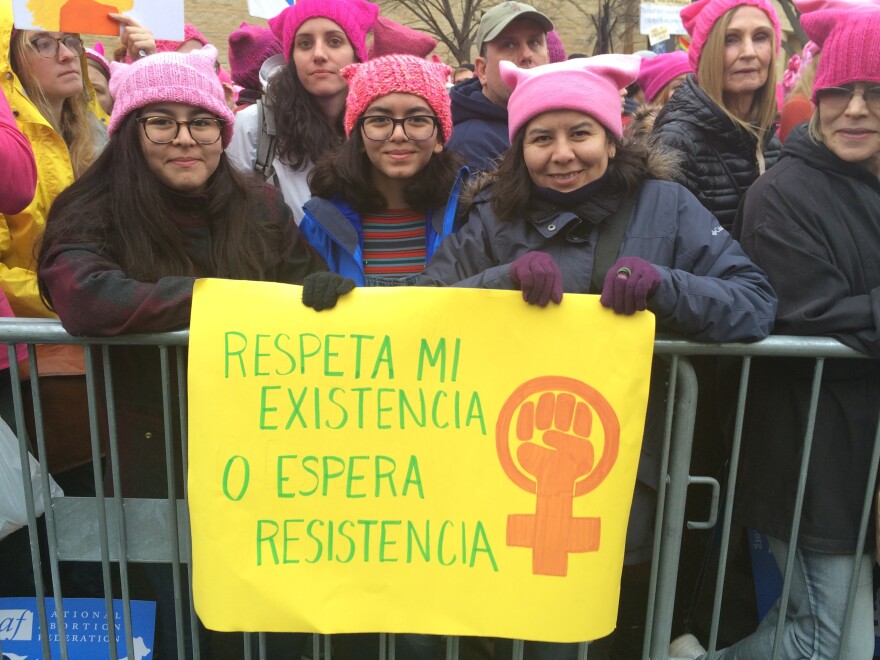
x,y
512,31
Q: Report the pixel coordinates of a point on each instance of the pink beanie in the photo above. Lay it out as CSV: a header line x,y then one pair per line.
x,y
172,78
96,55
355,17
249,47
555,48
657,72
588,84
847,34
390,38
699,18
397,73
190,32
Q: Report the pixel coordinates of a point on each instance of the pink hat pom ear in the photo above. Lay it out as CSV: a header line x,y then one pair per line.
x,y
807,6
622,70
350,71
511,74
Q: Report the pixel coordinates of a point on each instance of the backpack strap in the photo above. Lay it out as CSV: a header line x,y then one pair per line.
x,y
608,243
266,142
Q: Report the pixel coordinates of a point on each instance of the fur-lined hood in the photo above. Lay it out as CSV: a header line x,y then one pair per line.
x,y
661,162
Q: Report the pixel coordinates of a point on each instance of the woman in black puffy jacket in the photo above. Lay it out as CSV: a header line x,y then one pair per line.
x,y
722,118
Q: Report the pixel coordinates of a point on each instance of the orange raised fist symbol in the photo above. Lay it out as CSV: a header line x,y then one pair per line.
x,y
555,450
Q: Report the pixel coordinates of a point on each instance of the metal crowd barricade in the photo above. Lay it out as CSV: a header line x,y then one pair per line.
x,y
119,531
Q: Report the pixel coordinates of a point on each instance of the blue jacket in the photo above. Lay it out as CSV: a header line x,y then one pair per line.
x,y
335,231
709,289
479,130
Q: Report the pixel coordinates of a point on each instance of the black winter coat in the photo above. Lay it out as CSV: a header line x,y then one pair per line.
x,y
813,224
719,158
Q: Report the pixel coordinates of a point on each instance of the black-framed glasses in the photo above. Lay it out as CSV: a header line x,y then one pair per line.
x,y
47,46
162,130
838,98
417,127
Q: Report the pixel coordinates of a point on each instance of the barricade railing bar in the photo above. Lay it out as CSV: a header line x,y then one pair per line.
x,y
118,531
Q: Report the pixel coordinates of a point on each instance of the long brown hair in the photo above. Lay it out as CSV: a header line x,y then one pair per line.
x,y
123,209
346,172
77,126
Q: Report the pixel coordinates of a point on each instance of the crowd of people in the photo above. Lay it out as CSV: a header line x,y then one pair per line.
x,y
338,153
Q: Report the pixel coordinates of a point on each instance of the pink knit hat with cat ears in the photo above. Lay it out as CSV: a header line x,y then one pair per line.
x,y
700,17
589,84
847,34
355,17
190,33
392,38
169,77
397,73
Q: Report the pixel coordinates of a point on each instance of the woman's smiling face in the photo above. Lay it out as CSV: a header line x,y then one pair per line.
x,y
566,149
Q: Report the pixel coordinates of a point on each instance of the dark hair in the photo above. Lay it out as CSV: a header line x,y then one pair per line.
x,y
513,186
302,130
466,65
345,172
119,205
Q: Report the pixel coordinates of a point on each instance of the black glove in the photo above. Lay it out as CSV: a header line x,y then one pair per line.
x,y
322,290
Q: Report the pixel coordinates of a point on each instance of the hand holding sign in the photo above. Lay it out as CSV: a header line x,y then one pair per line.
x,y
137,39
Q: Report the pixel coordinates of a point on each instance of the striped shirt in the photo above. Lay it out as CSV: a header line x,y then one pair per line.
x,y
394,243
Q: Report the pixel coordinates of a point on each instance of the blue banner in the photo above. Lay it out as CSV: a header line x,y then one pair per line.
x,y
85,626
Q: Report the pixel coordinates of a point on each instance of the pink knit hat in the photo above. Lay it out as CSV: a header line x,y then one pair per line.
x,y
700,17
657,72
172,78
397,73
847,34
355,17
555,47
589,84
390,38
249,47
96,55
190,32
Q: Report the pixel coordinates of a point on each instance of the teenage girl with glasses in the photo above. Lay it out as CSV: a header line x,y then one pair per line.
x,y
124,245
386,199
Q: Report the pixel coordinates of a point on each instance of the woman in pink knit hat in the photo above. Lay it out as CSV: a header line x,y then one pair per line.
x,y
393,173
573,208
812,223
722,118
305,95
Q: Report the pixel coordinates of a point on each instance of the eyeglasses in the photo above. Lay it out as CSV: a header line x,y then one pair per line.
x,y
162,130
380,128
838,98
47,46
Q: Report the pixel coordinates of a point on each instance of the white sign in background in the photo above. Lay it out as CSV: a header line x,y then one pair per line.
x,y
164,18
654,15
267,8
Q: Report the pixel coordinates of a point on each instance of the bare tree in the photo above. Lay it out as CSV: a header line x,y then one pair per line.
x,y
452,22
607,23
794,17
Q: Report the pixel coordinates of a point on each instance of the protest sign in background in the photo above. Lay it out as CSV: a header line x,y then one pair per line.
x,y
164,18
415,460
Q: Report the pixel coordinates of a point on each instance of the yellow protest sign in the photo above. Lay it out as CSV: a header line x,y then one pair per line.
x,y
446,461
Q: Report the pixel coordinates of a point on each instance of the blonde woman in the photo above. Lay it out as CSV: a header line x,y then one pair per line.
x,y
722,118
43,77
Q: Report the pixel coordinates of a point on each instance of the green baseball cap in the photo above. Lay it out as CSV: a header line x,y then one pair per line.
x,y
500,16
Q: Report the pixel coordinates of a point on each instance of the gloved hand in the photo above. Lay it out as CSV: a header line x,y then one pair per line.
x,y
322,290
539,278
628,285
